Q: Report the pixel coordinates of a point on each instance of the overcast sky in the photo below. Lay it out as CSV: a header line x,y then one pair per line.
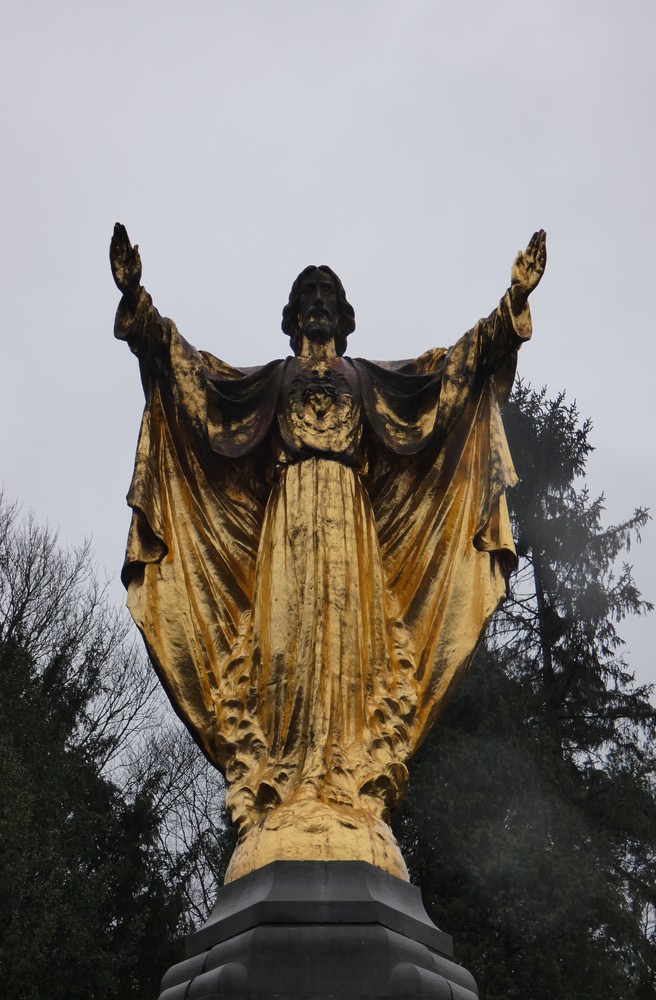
x,y
412,146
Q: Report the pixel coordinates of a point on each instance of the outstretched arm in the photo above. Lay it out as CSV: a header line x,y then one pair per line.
x,y
137,321
499,337
490,348
493,342
502,334
153,338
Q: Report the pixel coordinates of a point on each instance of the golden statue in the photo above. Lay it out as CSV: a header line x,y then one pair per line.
x,y
316,546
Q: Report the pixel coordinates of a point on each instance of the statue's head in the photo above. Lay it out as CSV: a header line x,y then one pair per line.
x,y
318,301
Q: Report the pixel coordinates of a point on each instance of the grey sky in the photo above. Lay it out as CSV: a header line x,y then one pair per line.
x,y
412,146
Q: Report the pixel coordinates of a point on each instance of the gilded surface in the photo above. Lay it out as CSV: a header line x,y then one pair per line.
x,y
316,546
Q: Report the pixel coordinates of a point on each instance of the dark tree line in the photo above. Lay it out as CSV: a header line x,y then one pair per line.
x,y
531,821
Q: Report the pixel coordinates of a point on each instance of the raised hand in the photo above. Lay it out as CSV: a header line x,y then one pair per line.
x,y
528,268
125,261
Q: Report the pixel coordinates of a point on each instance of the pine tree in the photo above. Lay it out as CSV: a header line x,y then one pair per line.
x,y
531,822
87,907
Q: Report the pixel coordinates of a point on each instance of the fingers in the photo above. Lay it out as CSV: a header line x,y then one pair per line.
x,y
120,236
539,250
536,251
117,250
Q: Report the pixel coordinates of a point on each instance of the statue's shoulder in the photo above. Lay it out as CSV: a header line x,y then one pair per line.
x,y
429,363
218,369
372,366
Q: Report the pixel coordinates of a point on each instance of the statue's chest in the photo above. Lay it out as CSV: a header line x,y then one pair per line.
x,y
320,404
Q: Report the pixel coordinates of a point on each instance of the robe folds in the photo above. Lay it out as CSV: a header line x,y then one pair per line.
x,y
315,550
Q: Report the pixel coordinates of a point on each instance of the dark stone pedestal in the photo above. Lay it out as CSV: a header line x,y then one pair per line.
x,y
322,930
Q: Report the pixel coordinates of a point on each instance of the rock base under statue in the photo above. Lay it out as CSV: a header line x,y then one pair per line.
x,y
336,930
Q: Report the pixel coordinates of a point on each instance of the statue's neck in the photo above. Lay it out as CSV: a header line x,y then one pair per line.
x,y
318,348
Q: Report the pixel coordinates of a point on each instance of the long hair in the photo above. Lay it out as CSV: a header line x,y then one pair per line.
x,y
345,311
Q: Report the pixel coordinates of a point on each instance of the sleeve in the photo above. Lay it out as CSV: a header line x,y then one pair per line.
x,y
488,349
157,344
142,328
190,559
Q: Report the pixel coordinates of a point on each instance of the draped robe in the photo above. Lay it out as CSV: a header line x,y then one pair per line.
x,y
314,551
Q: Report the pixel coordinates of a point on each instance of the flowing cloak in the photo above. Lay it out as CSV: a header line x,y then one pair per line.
x,y
218,521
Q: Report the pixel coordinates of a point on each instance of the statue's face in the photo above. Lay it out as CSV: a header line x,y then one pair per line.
x,y
317,305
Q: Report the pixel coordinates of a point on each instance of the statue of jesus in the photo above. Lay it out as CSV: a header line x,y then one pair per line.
x,y
316,546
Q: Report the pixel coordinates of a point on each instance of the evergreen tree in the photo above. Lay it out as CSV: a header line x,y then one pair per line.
x,y
87,906
531,821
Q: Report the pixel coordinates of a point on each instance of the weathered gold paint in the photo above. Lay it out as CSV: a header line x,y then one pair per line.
x,y
311,561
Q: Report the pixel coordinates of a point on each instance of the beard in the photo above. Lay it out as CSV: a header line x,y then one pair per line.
x,y
319,326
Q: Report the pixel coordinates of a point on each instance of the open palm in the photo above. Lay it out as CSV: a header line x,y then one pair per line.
x,y
125,261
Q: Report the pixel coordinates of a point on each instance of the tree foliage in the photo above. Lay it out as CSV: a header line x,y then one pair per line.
x,y
531,823
105,810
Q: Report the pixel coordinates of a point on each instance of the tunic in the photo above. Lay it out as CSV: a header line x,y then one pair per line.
x,y
331,663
